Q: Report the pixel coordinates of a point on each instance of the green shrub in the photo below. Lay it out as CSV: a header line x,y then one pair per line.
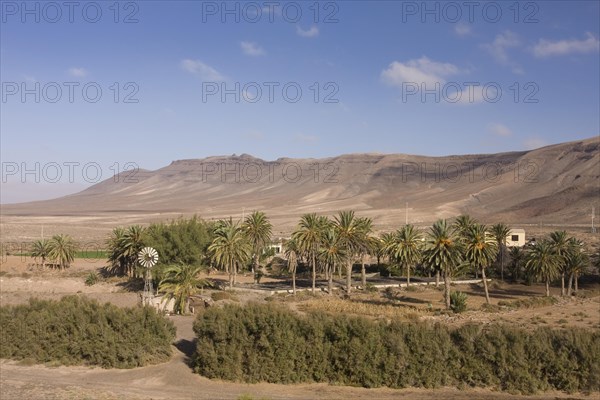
x,y
91,279
270,343
458,302
79,331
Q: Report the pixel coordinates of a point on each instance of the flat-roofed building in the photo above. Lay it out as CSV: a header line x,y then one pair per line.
x,y
516,238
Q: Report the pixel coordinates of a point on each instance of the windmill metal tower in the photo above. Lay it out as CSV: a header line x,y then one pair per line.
x,y
148,257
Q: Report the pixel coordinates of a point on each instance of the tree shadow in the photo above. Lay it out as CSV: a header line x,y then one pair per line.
x,y
187,347
132,285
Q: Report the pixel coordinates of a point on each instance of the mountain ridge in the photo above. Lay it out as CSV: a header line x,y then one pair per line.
x,y
559,182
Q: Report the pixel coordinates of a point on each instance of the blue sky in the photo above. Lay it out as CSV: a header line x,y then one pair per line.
x,y
507,76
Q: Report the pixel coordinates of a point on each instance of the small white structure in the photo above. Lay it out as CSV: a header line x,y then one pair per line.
x,y
516,238
162,304
277,247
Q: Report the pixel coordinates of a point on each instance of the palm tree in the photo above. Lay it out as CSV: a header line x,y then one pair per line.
x,y
62,249
291,252
443,251
350,234
405,248
480,251
229,248
560,242
499,232
257,229
576,262
116,257
543,262
41,248
463,223
516,260
180,282
124,246
308,236
365,245
332,254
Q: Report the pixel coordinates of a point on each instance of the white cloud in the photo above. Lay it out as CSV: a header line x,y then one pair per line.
x,y
499,49
206,72
77,72
534,143
252,49
546,48
462,29
309,139
309,33
474,94
422,70
499,130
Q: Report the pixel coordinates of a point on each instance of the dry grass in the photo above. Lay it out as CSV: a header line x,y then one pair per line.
x,y
362,307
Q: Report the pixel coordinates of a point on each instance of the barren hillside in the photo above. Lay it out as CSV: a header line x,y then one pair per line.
x,y
558,184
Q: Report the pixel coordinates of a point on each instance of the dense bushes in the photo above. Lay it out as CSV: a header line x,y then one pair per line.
x,y
268,343
77,330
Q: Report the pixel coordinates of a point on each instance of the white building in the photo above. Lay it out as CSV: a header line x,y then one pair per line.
x,y
516,238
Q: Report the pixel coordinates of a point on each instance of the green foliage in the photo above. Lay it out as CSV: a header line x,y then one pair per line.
x,y
269,343
61,250
180,282
92,279
458,302
79,331
123,247
182,241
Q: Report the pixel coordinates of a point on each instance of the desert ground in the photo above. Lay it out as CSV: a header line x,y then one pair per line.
x,y
21,278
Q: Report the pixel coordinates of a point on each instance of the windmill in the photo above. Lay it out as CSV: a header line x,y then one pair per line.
x,y
148,257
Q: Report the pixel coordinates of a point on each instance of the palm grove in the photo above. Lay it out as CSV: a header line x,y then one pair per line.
x,y
332,246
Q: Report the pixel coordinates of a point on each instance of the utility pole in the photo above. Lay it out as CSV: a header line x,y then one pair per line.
x,y
593,216
406,214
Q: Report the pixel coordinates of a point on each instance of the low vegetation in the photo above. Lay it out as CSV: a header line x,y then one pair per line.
x,y
79,331
269,343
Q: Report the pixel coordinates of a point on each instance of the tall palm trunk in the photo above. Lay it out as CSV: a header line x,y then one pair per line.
x,y
255,267
234,273
447,290
363,273
230,272
485,286
314,273
502,262
294,282
576,282
348,277
437,278
570,285
562,284
407,275
330,282
547,288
